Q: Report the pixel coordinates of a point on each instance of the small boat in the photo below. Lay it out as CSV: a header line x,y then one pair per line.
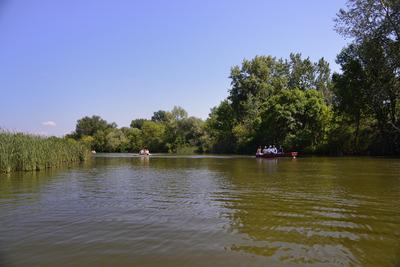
x,y
278,155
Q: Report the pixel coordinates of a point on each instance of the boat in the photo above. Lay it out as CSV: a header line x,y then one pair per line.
x,y
278,155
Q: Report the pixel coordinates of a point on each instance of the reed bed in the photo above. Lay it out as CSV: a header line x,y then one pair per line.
x,y
25,152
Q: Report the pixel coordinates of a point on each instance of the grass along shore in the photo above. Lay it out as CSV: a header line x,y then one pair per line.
x,y
25,152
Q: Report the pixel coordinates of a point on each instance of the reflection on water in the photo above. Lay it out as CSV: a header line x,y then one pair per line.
x,y
124,210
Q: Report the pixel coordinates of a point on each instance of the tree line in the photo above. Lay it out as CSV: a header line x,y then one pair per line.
x,y
293,102
167,131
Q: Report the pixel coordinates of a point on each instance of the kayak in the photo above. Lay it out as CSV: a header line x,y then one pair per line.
x,y
278,155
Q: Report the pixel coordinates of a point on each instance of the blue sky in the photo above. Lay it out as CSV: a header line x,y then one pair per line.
x,y
62,60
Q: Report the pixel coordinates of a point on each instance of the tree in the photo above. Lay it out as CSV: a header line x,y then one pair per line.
x,y
219,127
350,89
178,113
375,29
138,123
160,116
135,140
369,19
296,119
259,77
302,74
116,141
153,134
89,126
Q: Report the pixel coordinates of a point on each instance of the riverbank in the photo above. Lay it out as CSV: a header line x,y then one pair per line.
x,y
25,152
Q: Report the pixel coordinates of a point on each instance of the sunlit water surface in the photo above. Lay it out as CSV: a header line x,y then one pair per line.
x,y
123,210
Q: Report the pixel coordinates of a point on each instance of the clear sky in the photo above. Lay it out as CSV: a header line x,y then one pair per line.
x,y
62,60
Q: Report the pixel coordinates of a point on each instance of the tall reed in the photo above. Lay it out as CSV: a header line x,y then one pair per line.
x,y
25,152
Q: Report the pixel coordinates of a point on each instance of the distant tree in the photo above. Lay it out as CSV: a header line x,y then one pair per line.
x,y
160,116
259,77
296,119
88,141
153,134
138,123
323,81
302,73
178,113
88,126
116,141
264,76
135,140
100,141
219,127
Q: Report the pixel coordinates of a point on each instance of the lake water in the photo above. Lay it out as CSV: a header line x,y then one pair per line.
x,y
123,210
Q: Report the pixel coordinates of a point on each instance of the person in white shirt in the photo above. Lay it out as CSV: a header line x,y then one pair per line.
x,y
265,150
259,151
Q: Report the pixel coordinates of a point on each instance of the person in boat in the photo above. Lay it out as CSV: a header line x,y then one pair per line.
x,y
280,150
259,151
144,152
274,150
269,149
265,150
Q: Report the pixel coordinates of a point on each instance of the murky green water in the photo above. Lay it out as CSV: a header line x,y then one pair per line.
x,y
204,211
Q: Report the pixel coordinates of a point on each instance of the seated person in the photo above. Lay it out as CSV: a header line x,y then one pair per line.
x,y
259,151
265,150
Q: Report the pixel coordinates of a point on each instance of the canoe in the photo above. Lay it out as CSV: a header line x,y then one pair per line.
x,y
279,155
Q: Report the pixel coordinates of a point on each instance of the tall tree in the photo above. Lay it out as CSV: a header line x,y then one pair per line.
x,y
350,88
219,126
375,29
296,119
258,77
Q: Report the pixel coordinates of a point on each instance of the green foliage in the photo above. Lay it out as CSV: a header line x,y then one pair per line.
x,y
168,131
89,126
153,134
369,87
135,140
274,101
160,116
219,127
296,119
264,76
23,152
116,141
137,123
